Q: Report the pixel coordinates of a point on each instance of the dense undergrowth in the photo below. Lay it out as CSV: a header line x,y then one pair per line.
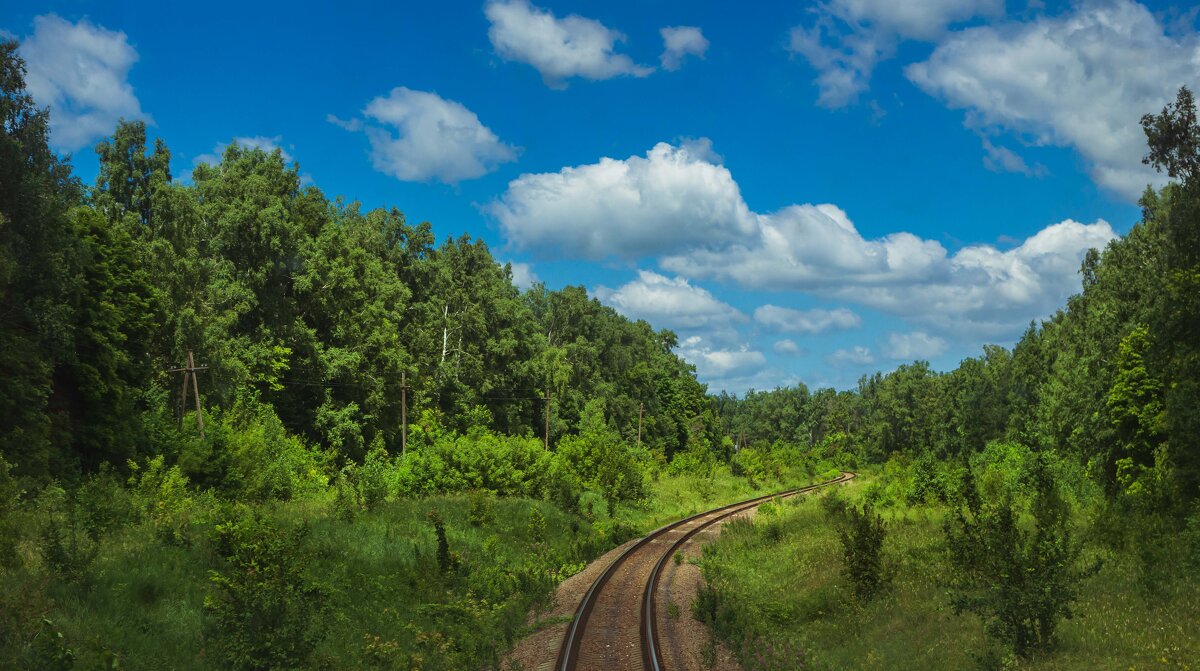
x,y
429,560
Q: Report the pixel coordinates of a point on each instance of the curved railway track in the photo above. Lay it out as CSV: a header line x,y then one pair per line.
x,y
615,625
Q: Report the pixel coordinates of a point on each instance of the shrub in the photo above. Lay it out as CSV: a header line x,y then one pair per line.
x,y
446,560
161,499
67,545
481,508
10,501
248,452
373,476
862,533
263,610
1020,583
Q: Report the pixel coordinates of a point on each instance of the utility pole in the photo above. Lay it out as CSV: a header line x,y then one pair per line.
x,y
547,418
189,371
641,409
403,413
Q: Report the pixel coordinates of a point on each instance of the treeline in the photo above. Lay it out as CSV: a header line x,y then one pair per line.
x,y
306,308
1112,380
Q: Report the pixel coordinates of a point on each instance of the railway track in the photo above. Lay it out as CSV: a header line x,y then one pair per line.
x,y
615,625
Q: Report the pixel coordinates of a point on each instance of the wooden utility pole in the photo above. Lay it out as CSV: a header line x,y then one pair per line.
x,y
189,371
403,413
641,409
547,418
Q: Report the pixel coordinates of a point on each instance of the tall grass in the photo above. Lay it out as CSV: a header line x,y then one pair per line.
x,y
778,596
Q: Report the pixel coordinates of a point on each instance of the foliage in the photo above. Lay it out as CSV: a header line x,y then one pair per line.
x,y
68,545
264,611
10,504
862,533
1022,583
161,499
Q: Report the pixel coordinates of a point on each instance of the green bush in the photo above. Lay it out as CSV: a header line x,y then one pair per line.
x,y
67,545
10,502
247,452
161,499
1020,582
373,477
481,508
862,532
263,610
504,465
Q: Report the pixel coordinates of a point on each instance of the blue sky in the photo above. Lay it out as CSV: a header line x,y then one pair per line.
x,y
804,192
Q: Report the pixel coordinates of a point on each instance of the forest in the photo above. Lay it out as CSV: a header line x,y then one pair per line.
x,y
388,454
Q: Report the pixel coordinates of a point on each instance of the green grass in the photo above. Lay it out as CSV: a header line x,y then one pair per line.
x,y
782,603
140,601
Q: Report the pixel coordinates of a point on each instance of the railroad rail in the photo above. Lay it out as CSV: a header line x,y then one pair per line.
x,y
608,646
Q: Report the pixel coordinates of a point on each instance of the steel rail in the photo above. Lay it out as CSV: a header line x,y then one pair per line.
x,y
568,655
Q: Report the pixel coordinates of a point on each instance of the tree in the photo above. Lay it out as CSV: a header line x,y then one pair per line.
x,y
38,253
1020,582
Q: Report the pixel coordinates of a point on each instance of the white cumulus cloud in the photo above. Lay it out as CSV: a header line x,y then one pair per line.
x,y
419,136
267,144
915,345
680,42
847,38
627,208
573,46
787,347
1082,79
720,364
688,213
670,303
523,275
853,356
805,321
81,72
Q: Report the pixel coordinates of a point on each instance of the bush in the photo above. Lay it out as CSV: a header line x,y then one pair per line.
x,y
10,501
248,452
373,477
862,533
1020,583
67,545
161,499
504,465
263,610
481,508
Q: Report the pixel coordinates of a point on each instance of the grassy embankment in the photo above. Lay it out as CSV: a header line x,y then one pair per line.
x,y
378,595
781,601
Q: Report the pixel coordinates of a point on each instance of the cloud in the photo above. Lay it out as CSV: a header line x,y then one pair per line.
x,y
848,38
788,347
627,208
419,136
80,71
805,321
558,48
979,291
1003,159
523,275
688,213
717,364
1082,79
267,144
915,345
670,303
855,356
811,247
680,42
352,125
